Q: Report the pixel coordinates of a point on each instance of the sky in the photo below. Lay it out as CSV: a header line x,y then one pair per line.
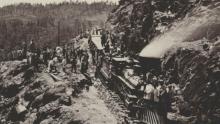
x,y
9,2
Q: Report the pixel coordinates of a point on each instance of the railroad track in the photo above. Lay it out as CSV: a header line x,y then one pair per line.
x,y
149,116
114,103
121,112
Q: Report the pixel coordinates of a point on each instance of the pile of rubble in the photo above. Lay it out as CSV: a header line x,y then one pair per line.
x,y
28,97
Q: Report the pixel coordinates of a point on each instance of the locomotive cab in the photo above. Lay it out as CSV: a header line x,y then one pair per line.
x,y
149,63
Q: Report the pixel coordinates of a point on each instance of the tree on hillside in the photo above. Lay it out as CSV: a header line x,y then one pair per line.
x,y
24,22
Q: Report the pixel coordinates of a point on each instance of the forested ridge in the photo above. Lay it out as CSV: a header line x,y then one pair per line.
x,y
42,23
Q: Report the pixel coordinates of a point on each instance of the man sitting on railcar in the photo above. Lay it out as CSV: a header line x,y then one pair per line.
x,y
146,91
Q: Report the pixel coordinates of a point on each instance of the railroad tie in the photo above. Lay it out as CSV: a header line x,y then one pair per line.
x,y
154,118
146,116
150,117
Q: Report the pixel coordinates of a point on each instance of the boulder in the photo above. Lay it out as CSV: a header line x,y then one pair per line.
x,y
20,109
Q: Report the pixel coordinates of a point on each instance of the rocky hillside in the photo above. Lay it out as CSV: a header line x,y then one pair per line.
x,y
192,62
195,67
34,98
136,22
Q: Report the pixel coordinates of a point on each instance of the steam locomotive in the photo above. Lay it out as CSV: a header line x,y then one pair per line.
x,y
122,75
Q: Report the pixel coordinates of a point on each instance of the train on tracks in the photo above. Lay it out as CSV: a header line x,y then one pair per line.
x,y
121,74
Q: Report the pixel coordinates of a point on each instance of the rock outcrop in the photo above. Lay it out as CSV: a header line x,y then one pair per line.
x,y
136,22
195,67
28,97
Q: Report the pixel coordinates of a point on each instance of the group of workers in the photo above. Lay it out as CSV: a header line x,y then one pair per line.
x,y
66,55
157,94
52,58
15,54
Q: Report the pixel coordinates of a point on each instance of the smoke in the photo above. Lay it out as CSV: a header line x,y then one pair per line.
x,y
189,29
